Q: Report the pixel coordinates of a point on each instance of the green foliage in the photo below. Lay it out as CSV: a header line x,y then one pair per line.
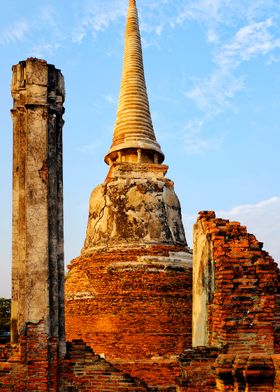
x,y
5,314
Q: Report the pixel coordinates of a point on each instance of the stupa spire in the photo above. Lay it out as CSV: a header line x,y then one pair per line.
x,y
133,132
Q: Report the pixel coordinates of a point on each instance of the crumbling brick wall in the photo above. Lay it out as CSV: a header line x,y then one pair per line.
x,y
242,307
80,370
33,364
5,352
235,311
197,370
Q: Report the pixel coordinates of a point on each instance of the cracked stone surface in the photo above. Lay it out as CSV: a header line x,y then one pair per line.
x,y
132,210
38,254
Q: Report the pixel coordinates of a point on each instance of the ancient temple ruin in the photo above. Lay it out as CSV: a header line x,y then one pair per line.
x,y
129,293
142,311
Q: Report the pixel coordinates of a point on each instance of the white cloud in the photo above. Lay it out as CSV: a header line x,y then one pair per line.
x,y
249,41
204,10
214,93
262,220
236,31
44,49
216,14
257,9
47,15
109,98
193,140
245,39
42,32
15,33
98,16
212,36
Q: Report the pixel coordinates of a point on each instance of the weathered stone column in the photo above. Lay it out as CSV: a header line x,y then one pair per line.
x,y
38,251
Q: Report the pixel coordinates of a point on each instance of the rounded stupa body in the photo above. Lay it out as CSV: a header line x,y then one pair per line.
x,y
129,293
135,207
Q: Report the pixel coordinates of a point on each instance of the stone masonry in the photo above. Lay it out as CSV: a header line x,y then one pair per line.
x,y
38,258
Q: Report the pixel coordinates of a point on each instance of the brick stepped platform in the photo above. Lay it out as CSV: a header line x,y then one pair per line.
x,y
83,370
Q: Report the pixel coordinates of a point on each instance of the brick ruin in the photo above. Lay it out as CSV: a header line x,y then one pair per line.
x,y
235,311
142,311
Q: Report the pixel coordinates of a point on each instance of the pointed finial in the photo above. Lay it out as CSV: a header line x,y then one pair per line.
x,y
133,133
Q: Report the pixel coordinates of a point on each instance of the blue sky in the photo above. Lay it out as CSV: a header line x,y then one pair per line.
x,y
212,74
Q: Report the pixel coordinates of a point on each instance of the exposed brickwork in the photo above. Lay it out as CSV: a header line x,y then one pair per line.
x,y
5,352
277,318
13,377
242,310
82,370
239,284
134,306
243,314
248,359
254,372
276,361
197,370
33,365
160,374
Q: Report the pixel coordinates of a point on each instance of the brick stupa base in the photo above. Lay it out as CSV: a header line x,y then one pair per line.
x,y
133,306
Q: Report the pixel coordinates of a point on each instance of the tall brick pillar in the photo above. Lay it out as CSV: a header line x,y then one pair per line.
x,y
38,255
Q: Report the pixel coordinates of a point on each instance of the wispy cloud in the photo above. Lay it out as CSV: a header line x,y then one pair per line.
x,y
110,99
215,15
215,92
237,32
194,141
47,15
44,49
204,10
40,34
254,39
97,17
14,33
